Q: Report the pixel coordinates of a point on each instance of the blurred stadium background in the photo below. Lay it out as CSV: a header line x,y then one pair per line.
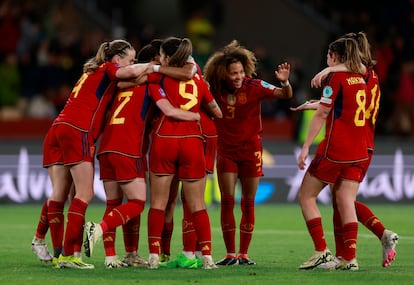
x,y
45,43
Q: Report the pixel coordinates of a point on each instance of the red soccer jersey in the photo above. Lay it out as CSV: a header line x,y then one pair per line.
x,y
346,137
187,95
88,102
207,124
124,129
241,113
372,105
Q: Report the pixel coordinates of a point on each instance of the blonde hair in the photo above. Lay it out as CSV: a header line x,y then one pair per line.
x,y
106,52
364,47
348,53
215,70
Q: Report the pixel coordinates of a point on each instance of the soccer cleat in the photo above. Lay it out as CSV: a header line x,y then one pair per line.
x,y
93,233
316,259
55,262
330,264
389,240
134,260
347,265
114,262
244,260
228,260
39,248
164,257
208,262
199,262
72,261
184,262
153,261
169,264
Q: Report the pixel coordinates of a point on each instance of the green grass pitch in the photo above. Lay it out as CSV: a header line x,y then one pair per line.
x,y
280,243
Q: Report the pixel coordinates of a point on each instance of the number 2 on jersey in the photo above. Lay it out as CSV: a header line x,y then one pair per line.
x,y
125,97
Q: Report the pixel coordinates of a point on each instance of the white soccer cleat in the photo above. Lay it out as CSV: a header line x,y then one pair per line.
x,y
39,248
153,261
351,265
93,235
330,264
114,262
389,240
316,259
208,262
134,260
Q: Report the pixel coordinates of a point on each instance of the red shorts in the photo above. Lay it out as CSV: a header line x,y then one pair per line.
x,y
210,151
181,156
120,168
67,145
245,160
331,172
370,153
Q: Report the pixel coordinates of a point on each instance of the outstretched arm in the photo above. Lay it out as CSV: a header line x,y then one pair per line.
x,y
282,74
308,105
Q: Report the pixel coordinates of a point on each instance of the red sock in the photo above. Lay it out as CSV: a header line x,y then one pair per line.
x,y
74,225
131,234
337,223
43,225
189,234
202,225
166,236
109,236
316,231
56,221
350,240
228,222
368,219
122,214
155,225
246,224
77,247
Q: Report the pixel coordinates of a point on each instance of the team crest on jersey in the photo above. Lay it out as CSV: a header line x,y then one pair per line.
x,y
231,99
162,92
242,98
267,85
326,94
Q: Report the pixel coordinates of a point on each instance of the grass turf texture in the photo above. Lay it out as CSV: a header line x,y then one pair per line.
x,y
280,243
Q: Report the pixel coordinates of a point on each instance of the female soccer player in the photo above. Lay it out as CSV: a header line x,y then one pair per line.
x,y
69,146
365,215
123,164
177,149
239,147
342,156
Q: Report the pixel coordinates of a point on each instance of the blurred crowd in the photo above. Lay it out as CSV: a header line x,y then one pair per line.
x,y
45,43
390,29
